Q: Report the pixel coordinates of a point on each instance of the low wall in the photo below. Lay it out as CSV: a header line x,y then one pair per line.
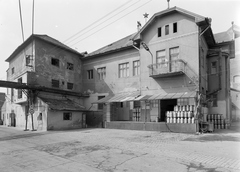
x,y
152,126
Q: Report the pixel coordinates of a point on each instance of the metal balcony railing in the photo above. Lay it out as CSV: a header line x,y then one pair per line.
x,y
164,69
172,68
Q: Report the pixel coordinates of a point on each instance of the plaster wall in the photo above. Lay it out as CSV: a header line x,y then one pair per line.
x,y
56,122
186,39
112,83
220,81
45,71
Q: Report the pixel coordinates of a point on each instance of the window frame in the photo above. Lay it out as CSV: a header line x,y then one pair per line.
x,y
175,27
28,60
70,66
100,105
159,59
90,74
123,70
211,68
160,32
67,116
101,73
20,90
55,62
70,86
154,103
167,29
55,81
136,68
214,100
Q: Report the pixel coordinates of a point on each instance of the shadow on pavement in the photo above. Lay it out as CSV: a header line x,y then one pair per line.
x,y
232,134
27,134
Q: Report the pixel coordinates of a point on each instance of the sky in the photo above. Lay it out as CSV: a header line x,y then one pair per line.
x,y
87,25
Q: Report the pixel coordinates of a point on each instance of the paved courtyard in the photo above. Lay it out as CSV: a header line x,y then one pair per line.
x,y
117,150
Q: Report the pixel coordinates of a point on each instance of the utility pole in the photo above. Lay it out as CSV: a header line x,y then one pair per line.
x,y
168,3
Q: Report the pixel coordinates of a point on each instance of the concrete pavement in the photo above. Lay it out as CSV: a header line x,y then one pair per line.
x,y
117,150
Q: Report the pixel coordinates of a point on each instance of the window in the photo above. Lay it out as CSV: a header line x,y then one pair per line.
x,y
183,101
28,60
214,67
90,74
69,66
123,70
174,53
136,104
67,116
154,103
236,78
100,105
20,90
101,73
161,58
13,70
12,94
136,68
55,83
69,86
121,104
159,32
166,29
39,118
214,99
55,62
174,27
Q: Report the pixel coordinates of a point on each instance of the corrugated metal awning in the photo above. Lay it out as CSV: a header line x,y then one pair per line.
x,y
189,94
143,97
103,100
172,95
136,97
118,98
153,96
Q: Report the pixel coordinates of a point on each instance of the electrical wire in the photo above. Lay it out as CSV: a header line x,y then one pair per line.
x,y
104,22
20,12
65,41
55,47
112,22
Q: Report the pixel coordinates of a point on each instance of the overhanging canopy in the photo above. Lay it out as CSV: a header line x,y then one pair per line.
x,y
118,98
137,97
173,95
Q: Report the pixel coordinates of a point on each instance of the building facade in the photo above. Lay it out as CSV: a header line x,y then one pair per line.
x,y
44,61
165,73
168,76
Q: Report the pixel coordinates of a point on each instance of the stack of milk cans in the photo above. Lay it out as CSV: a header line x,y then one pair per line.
x,y
181,114
217,120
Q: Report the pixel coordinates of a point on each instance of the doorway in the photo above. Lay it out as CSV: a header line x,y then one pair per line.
x,y
166,105
12,119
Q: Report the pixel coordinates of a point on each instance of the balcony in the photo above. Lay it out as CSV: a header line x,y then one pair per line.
x,y
166,69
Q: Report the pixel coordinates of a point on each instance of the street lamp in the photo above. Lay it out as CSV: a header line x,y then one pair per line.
x,y
147,49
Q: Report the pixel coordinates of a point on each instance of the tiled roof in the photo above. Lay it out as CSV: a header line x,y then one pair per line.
x,y
55,42
44,38
122,43
62,104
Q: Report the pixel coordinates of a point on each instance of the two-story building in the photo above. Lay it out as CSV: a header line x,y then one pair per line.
x,y
164,77
46,62
168,76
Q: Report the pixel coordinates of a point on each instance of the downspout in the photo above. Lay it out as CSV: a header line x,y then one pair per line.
x,y
199,91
